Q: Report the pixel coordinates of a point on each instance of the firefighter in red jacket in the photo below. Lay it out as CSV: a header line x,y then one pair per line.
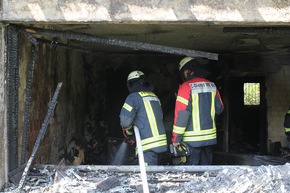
x,y
196,106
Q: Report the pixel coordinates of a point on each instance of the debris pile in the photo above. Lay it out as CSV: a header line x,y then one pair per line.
x,y
88,179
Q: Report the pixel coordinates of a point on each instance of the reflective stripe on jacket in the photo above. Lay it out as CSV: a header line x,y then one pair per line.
x,y
144,110
197,103
287,122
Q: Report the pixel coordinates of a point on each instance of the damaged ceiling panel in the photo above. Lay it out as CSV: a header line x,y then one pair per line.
x,y
203,37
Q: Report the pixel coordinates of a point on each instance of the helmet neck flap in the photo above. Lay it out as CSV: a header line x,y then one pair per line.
x,y
139,84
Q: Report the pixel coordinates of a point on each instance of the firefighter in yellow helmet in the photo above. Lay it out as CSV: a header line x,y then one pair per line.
x,y
143,109
198,101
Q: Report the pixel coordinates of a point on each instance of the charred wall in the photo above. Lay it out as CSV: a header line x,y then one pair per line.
x,y
52,65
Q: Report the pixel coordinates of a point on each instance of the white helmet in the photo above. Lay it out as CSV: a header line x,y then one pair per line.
x,y
135,74
184,61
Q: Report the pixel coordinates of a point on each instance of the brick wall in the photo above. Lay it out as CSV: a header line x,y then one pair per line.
x,y
278,101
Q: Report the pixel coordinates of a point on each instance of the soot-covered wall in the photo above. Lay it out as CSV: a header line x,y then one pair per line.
x,y
52,65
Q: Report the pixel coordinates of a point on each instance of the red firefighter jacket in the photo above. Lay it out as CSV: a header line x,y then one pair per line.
x,y
197,103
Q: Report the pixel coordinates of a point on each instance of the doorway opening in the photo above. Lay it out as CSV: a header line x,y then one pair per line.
x,y
247,115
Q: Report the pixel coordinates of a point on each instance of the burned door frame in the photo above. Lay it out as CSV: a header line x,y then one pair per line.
x,y
237,110
12,96
3,107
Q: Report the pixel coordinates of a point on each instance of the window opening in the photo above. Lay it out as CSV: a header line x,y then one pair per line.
x,y
252,94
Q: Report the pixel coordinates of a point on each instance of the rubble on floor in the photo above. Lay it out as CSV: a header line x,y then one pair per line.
x,y
202,179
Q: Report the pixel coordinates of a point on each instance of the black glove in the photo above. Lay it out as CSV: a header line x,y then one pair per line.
x,y
130,139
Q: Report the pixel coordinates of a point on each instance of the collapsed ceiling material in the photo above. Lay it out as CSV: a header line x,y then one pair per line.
x,y
207,179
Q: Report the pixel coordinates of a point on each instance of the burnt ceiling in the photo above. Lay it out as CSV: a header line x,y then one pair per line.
x,y
265,41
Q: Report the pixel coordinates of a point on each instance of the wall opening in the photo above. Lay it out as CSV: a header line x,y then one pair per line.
x,y
247,115
94,89
252,94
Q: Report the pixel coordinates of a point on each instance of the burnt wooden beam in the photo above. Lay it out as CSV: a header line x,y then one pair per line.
x,y
122,43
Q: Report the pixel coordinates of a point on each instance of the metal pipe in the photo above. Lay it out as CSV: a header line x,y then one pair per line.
x,y
121,43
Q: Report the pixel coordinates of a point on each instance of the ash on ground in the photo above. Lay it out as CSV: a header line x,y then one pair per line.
x,y
233,179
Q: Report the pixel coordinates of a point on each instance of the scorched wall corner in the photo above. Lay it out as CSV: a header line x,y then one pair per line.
x,y
3,128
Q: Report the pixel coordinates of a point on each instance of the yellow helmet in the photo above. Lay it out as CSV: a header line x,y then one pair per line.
x,y
135,74
184,61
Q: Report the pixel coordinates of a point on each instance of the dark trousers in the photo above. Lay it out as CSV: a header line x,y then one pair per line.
x,y
199,156
151,158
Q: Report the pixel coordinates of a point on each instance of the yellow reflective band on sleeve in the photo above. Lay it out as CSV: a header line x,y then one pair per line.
x,y
129,132
287,129
182,100
178,130
127,107
195,112
200,132
199,138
